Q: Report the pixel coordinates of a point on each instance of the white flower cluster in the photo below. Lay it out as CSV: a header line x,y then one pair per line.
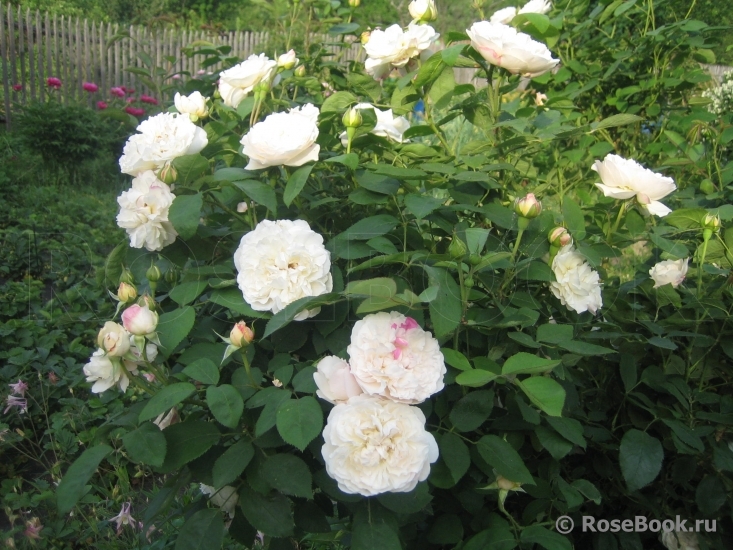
x,y
120,349
505,15
721,96
394,47
577,286
375,442
280,262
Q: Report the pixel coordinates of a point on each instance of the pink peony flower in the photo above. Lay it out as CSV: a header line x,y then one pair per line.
x,y
101,105
17,87
131,99
130,90
117,91
148,99
53,82
90,87
135,111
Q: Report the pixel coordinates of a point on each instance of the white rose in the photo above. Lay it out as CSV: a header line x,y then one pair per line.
x,y
514,51
537,6
240,80
391,356
193,105
287,139
394,47
335,382
144,213
162,138
139,320
105,371
671,272
680,540
504,15
388,126
577,286
287,60
280,262
225,498
375,446
423,10
624,178
114,339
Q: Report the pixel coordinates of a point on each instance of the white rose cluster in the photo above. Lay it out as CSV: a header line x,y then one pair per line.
x,y
624,178
577,286
394,47
505,15
375,442
287,139
505,47
388,126
237,82
280,262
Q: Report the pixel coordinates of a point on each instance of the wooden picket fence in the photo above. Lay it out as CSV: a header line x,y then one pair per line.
x,y
35,46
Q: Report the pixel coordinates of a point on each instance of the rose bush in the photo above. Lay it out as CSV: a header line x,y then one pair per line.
x,y
474,310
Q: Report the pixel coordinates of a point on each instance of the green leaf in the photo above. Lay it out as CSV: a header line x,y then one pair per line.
x,y
226,404
230,465
446,529
202,531
710,495
587,489
270,514
370,227
185,213
472,410
445,310
430,70
536,534
203,370
259,192
146,444
114,263
615,120
573,216
455,359
407,503
685,434
73,485
556,445
187,441
545,393
299,421
173,327
584,348
475,378
379,287
338,102
296,182
455,454
190,168
554,334
686,218
288,474
640,457
185,293
569,428
350,160
502,456
232,298
526,363
421,205
371,530
285,316
494,538
167,398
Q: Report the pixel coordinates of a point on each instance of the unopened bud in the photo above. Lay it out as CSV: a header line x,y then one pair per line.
x,y
354,3
352,118
147,300
241,335
171,276
711,221
168,174
457,248
365,36
559,237
262,88
506,484
287,60
300,71
423,11
242,207
126,293
127,277
528,207
153,274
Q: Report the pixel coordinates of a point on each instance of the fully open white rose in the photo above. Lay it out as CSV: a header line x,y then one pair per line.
x,y
144,213
504,15
393,47
375,446
193,105
577,286
225,498
514,51
105,371
670,272
114,339
388,126
335,382
624,178
235,83
162,138
283,139
280,262
391,356
536,6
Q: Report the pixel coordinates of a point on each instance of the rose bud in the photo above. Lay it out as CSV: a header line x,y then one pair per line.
x,y
126,293
114,339
147,300
528,207
352,118
287,60
423,11
457,248
364,38
153,274
127,277
171,276
335,382
710,225
300,71
354,3
559,237
241,335
168,174
139,320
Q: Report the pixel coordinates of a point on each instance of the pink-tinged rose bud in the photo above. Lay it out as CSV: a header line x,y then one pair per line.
x,y
242,207
148,99
90,87
241,335
139,320
53,82
126,293
135,111
113,339
200,72
559,237
101,105
176,77
17,87
117,91
335,382
528,207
